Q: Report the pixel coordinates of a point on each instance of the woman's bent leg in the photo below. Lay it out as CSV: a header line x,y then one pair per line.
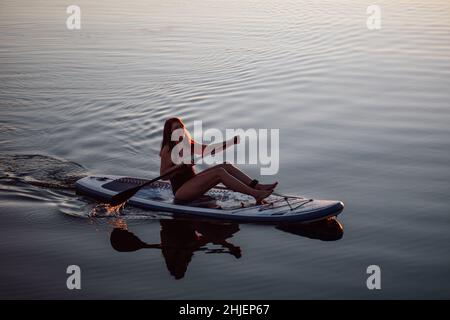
x,y
203,182
241,176
234,171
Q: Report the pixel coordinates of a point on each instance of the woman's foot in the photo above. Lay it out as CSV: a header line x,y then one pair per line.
x,y
261,195
270,186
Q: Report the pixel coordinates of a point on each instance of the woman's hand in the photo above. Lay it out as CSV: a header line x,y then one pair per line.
x,y
236,139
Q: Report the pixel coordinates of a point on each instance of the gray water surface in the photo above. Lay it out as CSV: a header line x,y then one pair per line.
x,y
364,117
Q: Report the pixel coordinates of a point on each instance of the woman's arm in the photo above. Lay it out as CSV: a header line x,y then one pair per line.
x,y
213,148
167,164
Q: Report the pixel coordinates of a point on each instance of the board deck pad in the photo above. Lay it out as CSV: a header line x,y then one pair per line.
x,y
218,202
123,183
218,198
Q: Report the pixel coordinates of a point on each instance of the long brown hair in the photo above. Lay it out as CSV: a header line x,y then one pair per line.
x,y
167,133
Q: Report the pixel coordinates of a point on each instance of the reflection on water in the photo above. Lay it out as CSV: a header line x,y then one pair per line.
x,y
363,116
182,238
325,230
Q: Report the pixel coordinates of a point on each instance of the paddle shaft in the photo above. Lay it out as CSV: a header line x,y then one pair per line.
x,y
172,170
123,196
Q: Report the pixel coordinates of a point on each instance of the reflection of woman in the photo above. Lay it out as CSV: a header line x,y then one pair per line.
x,y
188,186
179,240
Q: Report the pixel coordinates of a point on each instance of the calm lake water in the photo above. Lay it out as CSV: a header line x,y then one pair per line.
x,y
364,117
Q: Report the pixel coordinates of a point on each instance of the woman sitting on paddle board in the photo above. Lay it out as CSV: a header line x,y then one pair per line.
x,y
187,185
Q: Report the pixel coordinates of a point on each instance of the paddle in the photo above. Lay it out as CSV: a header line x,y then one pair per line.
x,y
123,196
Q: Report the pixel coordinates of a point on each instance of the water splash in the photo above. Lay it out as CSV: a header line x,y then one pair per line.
x,y
103,210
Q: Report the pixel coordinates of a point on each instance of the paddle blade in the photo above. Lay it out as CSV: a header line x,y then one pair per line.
x,y
123,196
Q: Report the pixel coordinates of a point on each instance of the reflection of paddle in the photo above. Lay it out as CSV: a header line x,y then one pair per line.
x,y
123,196
125,241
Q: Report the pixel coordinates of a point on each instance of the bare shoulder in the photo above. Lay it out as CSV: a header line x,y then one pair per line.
x,y
165,150
165,153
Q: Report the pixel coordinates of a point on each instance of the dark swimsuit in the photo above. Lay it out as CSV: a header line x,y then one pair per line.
x,y
181,177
